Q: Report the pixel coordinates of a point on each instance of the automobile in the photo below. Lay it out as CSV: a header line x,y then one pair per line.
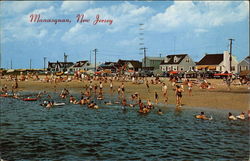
x,y
222,75
146,73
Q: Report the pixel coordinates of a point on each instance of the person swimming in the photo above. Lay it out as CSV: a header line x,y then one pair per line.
x,y
108,103
241,116
159,112
231,116
202,116
49,104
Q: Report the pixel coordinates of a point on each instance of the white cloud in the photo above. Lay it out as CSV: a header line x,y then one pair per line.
x,y
124,16
19,28
73,6
128,42
188,14
19,7
200,30
77,34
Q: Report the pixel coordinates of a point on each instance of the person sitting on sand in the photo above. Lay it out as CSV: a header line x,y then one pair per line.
x,y
201,116
159,112
231,116
241,116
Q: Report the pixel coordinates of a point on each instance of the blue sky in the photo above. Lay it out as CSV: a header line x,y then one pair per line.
x,y
170,27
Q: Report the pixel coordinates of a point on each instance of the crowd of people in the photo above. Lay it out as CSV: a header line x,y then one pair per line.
x,y
94,88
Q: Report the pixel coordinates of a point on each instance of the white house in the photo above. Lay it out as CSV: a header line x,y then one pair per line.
x,y
217,62
244,64
180,62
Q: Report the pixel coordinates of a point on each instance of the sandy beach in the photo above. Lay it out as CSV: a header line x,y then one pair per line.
x,y
220,97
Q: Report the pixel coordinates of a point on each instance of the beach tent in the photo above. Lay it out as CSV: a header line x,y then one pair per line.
x,y
10,71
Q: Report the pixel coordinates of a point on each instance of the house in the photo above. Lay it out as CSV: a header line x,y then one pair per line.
x,y
133,65
217,62
80,65
112,66
244,64
179,62
153,62
59,66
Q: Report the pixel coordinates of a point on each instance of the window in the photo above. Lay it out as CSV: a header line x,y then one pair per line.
x,y
181,68
190,68
175,59
233,68
187,60
220,68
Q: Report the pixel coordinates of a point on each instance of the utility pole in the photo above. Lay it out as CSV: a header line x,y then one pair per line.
x,y
65,61
95,50
30,63
230,54
10,63
90,52
44,63
144,52
65,58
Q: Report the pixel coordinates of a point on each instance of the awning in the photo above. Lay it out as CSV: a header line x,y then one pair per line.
x,y
201,67
212,67
131,71
106,71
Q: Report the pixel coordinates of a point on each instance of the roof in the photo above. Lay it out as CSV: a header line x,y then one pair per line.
x,y
61,64
155,58
80,63
171,59
135,63
211,59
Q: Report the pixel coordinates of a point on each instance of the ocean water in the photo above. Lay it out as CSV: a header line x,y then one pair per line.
x,y
73,132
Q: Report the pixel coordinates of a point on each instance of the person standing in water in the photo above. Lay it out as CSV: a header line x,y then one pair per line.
x,y
147,85
111,86
156,98
165,92
190,85
178,93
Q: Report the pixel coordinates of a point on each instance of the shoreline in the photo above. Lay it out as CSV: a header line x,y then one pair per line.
x,y
218,98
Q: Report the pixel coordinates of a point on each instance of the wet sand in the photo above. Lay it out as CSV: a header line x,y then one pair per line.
x,y
218,98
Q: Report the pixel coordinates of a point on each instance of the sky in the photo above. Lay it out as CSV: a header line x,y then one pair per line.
x,y
167,27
